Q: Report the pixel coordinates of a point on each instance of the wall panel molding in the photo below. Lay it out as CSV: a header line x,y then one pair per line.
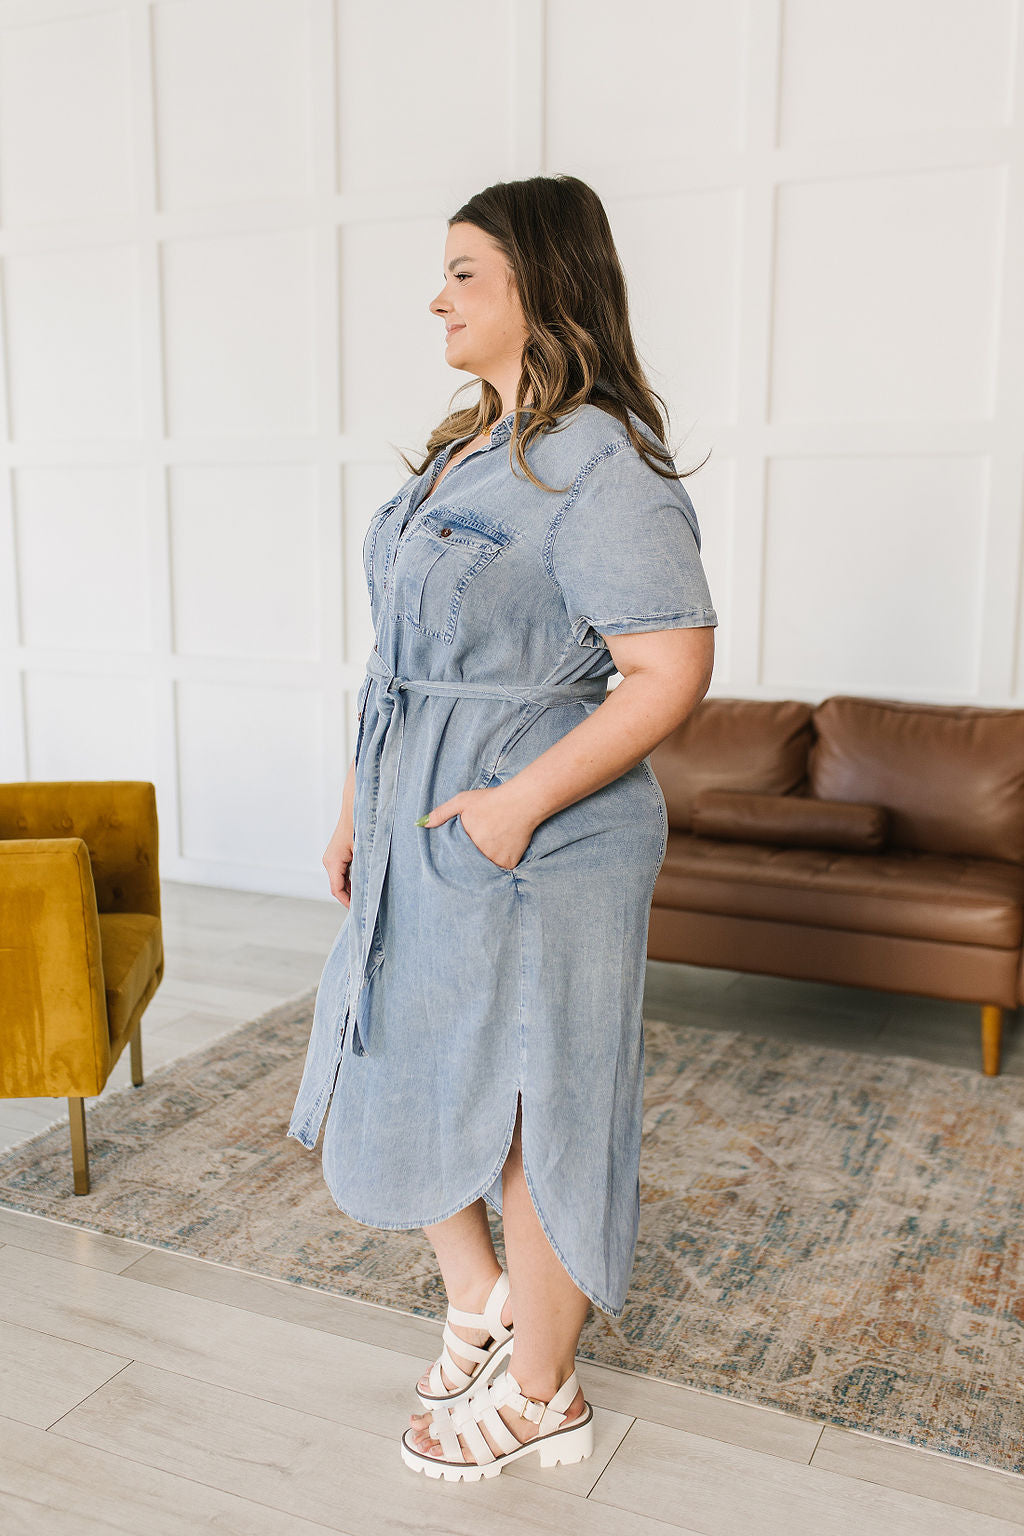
x,y
822,243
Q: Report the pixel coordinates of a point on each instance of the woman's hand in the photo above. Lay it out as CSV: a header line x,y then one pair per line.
x,y
337,861
337,858
494,819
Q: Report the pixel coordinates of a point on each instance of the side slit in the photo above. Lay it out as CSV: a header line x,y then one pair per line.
x,y
542,1220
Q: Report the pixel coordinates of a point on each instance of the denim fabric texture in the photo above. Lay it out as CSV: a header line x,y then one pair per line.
x,y
455,985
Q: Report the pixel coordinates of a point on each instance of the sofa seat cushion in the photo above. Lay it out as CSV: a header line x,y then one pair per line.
x,y
904,893
132,947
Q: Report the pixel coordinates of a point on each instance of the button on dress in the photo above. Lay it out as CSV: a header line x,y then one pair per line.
x,y
455,985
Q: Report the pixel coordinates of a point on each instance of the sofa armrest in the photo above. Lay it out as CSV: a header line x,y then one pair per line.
x,y
56,1038
115,818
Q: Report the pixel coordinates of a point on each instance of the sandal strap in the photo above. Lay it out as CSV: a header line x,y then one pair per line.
x,y
481,1408
447,1424
475,1352
444,1430
492,1309
476,1439
499,1430
438,1385
490,1317
461,1347
505,1391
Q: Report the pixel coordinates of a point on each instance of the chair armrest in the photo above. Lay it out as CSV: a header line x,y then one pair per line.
x,y
55,1038
115,818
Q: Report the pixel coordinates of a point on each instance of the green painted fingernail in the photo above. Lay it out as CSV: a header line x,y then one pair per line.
x,y
421,821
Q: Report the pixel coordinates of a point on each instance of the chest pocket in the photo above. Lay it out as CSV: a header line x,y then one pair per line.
x,y
374,544
437,559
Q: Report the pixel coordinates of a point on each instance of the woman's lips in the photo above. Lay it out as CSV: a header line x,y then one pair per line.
x,y
451,331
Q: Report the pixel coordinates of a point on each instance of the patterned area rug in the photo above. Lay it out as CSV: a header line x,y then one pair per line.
x,y
832,1234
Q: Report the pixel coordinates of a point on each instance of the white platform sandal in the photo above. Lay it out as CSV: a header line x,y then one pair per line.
x,y
552,1443
487,1358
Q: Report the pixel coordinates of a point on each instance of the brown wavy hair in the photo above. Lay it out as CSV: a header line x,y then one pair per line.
x,y
555,236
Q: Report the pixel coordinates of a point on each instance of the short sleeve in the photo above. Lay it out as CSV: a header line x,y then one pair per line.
x,y
625,552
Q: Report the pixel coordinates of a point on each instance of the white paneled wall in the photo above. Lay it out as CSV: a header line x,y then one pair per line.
x,y
221,225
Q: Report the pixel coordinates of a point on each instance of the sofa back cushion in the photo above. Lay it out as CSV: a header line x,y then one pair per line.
x,y
950,775
760,745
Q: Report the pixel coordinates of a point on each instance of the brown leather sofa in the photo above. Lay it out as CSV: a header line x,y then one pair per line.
x,y
869,842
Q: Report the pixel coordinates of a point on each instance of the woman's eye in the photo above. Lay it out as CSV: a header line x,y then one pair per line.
x,y
463,274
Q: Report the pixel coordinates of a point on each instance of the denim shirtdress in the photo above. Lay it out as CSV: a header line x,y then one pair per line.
x,y
455,985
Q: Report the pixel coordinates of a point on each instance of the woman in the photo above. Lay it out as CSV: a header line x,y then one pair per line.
x,y
478,1021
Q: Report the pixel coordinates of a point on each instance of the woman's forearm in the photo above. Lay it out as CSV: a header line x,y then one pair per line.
x,y
348,794
647,706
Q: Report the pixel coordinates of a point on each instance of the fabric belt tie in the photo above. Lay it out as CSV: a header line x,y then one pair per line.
x,y
390,705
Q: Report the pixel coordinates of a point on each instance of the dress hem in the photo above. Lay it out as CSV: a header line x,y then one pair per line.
x,y
406,1226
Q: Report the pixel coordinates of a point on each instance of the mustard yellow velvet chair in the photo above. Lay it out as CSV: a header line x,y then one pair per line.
x,y
81,944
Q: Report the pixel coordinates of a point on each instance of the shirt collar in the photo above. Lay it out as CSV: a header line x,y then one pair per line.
x,y
499,434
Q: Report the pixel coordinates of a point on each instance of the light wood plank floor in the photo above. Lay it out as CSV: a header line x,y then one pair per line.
x,y
142,1391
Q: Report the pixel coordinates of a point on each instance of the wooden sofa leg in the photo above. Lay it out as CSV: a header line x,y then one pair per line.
x,y
135,1046
79,1145
991,1038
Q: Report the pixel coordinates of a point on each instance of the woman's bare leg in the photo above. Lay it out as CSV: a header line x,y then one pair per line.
x,y
469,1267
550,1309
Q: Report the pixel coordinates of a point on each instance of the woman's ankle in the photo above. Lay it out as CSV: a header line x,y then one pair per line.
x,y
473,1296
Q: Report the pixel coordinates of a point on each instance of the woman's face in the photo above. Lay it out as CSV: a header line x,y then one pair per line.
x,y
484,324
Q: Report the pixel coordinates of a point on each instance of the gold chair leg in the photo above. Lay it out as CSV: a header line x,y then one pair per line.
x,y
991,1038
135,1046
79,1145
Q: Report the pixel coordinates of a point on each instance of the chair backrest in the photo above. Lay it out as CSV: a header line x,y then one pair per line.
x,y
115,818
